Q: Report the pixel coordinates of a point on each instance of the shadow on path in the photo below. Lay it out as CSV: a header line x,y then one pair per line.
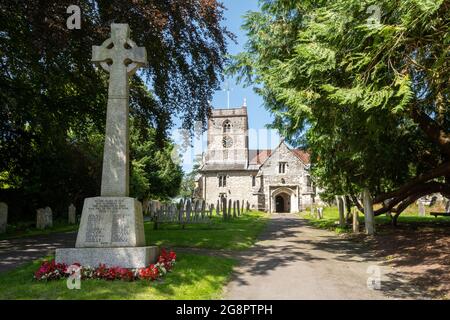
x,y
15,252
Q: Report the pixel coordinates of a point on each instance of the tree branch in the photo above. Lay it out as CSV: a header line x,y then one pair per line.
x,y
439,171
432,129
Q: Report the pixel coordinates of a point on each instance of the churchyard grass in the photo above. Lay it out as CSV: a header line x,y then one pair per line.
x,y
232,234
24,229
408,218
193,277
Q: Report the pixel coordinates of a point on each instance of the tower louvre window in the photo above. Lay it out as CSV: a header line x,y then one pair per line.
x,y
226,126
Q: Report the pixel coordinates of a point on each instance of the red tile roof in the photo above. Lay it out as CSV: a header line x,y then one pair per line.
x,y
302,155
259,156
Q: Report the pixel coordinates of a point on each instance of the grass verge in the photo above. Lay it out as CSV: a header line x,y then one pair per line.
x,y
233,234
408,219
194,277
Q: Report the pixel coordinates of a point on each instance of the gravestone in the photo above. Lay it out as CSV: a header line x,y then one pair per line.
x,y
188,211
230,207
320,212
211,209
180,210
112,226
238,207
234,209
203,209
44,218
421,209
3,216
248,206
218,207
242,207
224,208
72,214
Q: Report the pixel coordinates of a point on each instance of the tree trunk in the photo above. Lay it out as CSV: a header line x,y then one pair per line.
x,y
340,205
368,212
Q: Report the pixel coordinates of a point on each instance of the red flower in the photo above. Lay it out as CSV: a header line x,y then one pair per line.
x,y
149,273
49,270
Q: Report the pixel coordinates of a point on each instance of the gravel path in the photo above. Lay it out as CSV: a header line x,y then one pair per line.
x,y
295,261
15,252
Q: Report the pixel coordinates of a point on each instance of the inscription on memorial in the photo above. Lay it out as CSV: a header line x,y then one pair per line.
x,y
120,228
95,231
101,211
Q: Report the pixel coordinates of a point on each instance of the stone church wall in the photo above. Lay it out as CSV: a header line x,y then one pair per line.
x,y
238,187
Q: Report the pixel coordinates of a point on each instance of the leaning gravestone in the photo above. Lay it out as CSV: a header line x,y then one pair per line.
x,y
3,216
44,218
72,214
112,226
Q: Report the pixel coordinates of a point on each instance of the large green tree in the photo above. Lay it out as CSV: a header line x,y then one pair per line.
x,y
368,96
53,99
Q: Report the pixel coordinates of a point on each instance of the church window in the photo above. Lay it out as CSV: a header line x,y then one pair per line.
x,y
253,181
308,181
222,181
282,167
227,126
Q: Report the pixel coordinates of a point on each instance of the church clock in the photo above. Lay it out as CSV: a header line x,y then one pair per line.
x,y
227,142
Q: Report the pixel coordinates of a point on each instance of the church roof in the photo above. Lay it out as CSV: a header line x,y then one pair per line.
x,y
256,159
302,155
259,156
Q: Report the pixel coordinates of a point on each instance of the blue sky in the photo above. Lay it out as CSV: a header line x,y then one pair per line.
x,y
257,114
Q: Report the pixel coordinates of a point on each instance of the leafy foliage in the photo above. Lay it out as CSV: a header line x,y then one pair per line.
x,y
369,99
53,99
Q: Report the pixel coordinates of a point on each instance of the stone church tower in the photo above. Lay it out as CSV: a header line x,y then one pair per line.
x,y
271,180
228,137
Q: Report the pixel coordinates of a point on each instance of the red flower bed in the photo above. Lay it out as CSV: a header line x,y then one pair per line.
x,y
49,270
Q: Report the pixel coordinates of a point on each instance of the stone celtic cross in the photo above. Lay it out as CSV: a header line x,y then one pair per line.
x,y
119,56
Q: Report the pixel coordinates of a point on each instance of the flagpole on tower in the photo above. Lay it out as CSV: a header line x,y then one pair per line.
x,y
227,88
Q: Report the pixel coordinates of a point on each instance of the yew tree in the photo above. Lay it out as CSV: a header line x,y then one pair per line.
x,y
364,85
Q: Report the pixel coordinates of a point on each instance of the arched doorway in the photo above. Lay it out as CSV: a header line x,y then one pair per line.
x,y
279,204
283,199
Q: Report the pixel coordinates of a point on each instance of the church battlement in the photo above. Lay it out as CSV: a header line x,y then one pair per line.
x,y
242,111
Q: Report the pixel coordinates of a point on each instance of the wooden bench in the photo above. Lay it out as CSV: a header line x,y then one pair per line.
x,y
442,214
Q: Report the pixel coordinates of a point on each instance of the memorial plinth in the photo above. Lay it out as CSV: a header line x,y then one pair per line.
x,y
112,233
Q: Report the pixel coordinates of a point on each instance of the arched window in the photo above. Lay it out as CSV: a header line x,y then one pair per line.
x,y
226,126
